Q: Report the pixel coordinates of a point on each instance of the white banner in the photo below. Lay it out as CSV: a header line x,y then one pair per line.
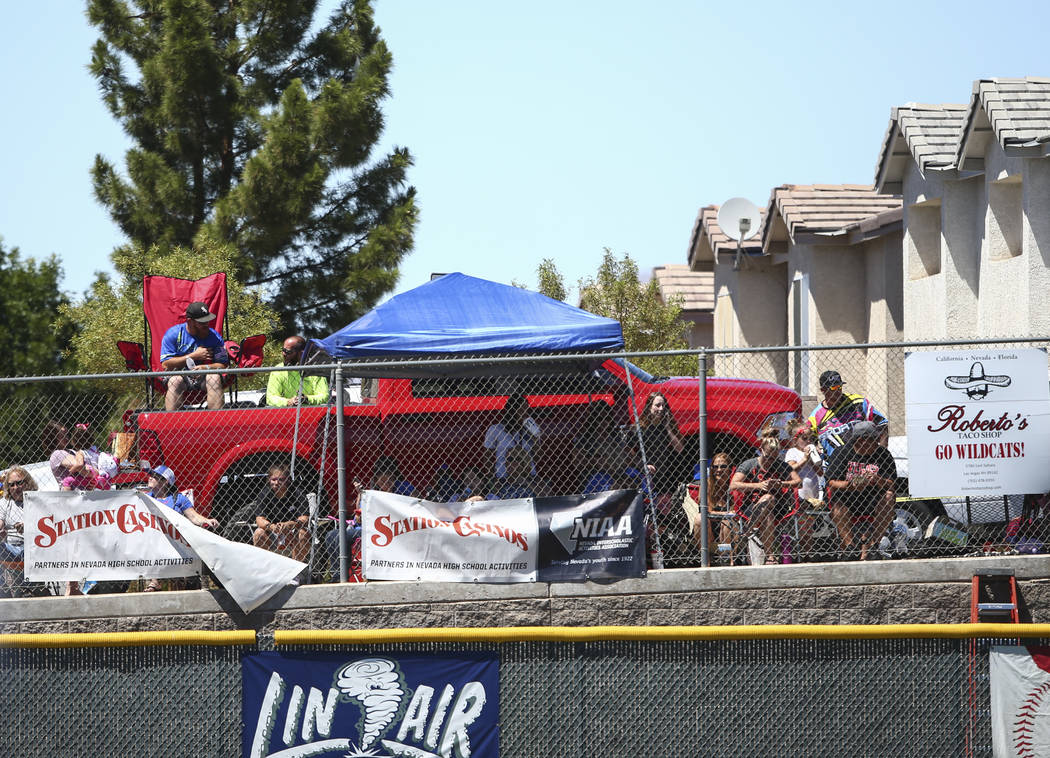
x,y
410,539
1020,694
978,422
101,535
123,534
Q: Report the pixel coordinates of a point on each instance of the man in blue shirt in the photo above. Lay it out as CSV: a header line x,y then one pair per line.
x,y
196,346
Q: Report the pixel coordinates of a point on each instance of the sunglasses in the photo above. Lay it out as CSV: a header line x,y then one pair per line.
x,y
831,387
16,483
720,465
294,350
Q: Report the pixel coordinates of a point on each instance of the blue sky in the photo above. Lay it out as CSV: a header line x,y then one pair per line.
x,y
551,129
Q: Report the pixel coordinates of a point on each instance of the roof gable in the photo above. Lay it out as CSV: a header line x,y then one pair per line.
x,y
822,213
926,134
708,239
1014,112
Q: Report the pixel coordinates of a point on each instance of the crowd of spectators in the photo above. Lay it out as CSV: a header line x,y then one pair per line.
x,y
833,457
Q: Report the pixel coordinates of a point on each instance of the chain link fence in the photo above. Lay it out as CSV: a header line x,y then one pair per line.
x,y
494,427
812,697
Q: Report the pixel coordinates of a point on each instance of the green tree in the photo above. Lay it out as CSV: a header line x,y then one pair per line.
x,y
30,301
112,309
551,282
649,323
30,325
251,129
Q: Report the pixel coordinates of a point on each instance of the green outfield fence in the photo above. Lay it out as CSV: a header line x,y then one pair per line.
x,y
911,690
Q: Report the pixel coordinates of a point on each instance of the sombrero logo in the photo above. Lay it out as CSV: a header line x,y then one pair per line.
x,y
977,385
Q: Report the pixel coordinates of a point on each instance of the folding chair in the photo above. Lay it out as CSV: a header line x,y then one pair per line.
x,y
164,301
733,522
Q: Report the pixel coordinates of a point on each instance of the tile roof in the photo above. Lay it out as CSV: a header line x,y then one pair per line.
x,y
1017,111
706,226
696,288
810,212
927,134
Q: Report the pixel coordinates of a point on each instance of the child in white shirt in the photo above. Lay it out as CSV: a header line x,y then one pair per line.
x,y
804,458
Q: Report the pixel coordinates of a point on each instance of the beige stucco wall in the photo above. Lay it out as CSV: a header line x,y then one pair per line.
x,y
1037,243
856,297
885,300
994,268
924,295
1003,308
757,296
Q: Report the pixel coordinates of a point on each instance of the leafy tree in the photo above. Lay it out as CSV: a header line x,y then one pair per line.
x,y
649,323
552,284
253,130
112,309
30,300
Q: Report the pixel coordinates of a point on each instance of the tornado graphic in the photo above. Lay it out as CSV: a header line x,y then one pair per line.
x,y
376,684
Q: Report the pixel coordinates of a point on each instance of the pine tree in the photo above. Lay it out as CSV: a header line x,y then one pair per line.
x,y
250,129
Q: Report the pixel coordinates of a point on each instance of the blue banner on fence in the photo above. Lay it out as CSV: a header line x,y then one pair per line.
x,y
343,704
591,537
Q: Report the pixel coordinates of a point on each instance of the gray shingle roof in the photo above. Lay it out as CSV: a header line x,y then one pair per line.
x,y
696,288
927,134
812,211
1016,110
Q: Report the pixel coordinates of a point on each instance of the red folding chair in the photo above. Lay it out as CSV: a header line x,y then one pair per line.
x,y
164,301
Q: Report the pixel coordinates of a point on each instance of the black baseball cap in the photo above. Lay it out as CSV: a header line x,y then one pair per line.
x,y
199,312
830,379
865,430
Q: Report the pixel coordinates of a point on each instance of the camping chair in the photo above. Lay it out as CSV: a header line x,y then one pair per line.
x,y
784,525
164,301
733,520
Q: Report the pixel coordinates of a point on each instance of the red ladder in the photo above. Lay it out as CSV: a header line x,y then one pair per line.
x,y
993,597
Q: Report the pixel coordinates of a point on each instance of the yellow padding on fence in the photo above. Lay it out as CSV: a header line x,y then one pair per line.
x,y
129,639
659,633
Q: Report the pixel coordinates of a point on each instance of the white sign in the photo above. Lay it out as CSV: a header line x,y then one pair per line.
x,y
978,422
123,534
101,535
410,539
1020,695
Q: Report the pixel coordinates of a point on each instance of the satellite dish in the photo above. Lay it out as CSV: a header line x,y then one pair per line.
x,y
739,218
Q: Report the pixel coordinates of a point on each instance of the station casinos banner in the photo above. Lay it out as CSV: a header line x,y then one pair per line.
x,y
545,539
342,704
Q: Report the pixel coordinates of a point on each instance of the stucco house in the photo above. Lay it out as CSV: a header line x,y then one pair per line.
x,y
951,242
975,182
738,279
824,269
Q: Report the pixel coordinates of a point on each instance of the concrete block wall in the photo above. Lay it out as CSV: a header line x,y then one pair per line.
x,y
890,592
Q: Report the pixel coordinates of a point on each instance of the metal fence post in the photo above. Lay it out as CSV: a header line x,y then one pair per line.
x,y
340,472
705,547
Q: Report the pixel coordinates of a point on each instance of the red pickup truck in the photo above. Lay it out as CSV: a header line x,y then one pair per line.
x,y
223,454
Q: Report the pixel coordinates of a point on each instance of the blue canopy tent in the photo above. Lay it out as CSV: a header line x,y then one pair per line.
x,y
458,315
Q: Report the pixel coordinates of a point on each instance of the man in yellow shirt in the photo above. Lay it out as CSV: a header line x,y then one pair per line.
x,y
292,387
